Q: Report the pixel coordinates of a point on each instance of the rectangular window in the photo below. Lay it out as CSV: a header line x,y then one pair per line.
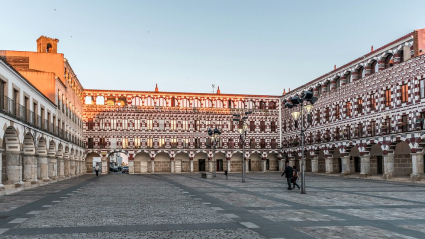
x,y
185,125
348,108
161,124
388,125
273,143
149,143
359,105
263,143
422,122
404,124
149,124
327,111
173,143
422,88
372,102
231,125
161,143
404,93
262,126
136,124
372,128
197,143
173,124
124,143
90,124
337,111
186,143
387,97
2,94
231,144
90,143
251,125
348,132
359,130
252,143
273,126
102,143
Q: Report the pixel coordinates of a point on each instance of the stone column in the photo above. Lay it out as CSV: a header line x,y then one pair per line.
x,y
131,166
329,165
152,166
345,161
1,171
228,166
172,166
52,167
417,166
263,165
246,165
210,167
281,162
61,167
388,166
44,168
191,165
27,162
72,167
292,162
315,165
365,166
66,167
105,166
77,167
14,168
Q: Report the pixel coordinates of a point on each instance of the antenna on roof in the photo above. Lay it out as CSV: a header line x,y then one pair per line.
x,y
213,86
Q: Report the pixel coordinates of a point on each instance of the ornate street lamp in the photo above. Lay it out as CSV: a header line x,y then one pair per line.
x,y
214,133
305,103
242,135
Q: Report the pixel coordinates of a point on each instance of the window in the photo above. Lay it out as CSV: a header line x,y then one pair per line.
x,y
90,143
149,124
337,111
273,143
197,143
404,124
263,143
173,143
197,125
173,124
185,125
149,143
337,83
374,67
387,97
26,108
389,61
348,108
348,77
252,143
161,124
359,105
360,130
372,102
422,117
328,87
404,93
262,105
360,73
124,143
161,143
327,112
137,142
318,116
185,143
273,126
388,125
262,126
231,144
422,88
348,132
251,125
2,94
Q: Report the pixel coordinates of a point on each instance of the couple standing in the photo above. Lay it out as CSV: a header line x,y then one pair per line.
x,y
291,176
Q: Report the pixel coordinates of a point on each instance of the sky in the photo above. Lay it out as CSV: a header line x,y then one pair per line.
x,y
245,47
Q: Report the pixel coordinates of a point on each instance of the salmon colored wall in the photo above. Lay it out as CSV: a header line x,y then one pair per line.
x,y
421,41
48,62
43,81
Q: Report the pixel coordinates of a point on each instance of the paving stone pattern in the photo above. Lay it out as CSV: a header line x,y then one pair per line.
x,y
187,206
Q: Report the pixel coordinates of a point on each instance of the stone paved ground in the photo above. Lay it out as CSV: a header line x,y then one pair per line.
x,y
187,206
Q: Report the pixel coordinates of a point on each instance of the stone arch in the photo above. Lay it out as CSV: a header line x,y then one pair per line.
x,y
142,163
200,162
272,162
355,159
11,140
162,162
254,161
182,162
60,151
51,151
28,145
376,159
402,159
42,146
236,161
337,161
89,162
220,158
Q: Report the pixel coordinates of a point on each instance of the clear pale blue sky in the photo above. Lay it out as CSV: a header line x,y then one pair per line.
x,y
246,47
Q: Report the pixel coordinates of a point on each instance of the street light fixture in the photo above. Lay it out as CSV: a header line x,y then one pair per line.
x,y
214,133
242,135
309,100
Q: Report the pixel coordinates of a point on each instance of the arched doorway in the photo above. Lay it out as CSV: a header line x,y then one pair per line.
x,y
200,162
182,162
272,162
322,162
93,159
236,162
337,162
402,159
254,163
220,159
355,162
142,163
162,162
376,160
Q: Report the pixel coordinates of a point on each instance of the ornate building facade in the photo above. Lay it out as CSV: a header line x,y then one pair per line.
x,y
167,131
369,117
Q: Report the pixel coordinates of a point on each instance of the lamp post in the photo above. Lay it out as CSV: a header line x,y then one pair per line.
x,y
214,133
306,97
242,134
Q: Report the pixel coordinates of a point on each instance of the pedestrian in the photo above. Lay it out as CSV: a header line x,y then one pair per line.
x,y
288,171
295,178
226,173
97,170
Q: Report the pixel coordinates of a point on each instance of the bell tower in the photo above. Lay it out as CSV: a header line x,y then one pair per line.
x,y
47,45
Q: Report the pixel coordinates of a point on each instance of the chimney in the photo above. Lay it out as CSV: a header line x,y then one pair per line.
x,y
371,49
334,67
218,90
284,91
156,87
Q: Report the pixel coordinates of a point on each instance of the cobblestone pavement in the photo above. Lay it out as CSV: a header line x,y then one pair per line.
x,y
187,206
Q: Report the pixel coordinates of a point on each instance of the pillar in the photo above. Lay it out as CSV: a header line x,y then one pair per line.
x,y
365,166
152,166
210,166
61,168
27,162
44,168
417,166
14,168
246,165
34,170
72,167
172,166
345,161
315,165
280,162
1,171
130,166
264,164
191,165
388,166
329,165
66,167
228,165
105,166
52,167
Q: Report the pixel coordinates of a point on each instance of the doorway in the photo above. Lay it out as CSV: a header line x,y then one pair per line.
x,y
219,165
178,166
340,164
249,165
379,164
201,165
357,164
267,164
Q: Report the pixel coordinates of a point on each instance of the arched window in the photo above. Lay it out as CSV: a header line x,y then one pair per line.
x,y
389,61
136,101
161,102
262,105
184,103
88,100
328,87
337,83
374,67
319,90
230,104
149,101
272,105
196,103
360,73
251,105
219,104
348,78
207,103
240,105
100,100
49,46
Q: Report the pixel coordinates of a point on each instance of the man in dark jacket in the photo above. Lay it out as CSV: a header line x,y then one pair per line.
x,y
289,173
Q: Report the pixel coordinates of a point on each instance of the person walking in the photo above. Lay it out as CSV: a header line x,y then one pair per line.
x,y
295,178
97,170
289,173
